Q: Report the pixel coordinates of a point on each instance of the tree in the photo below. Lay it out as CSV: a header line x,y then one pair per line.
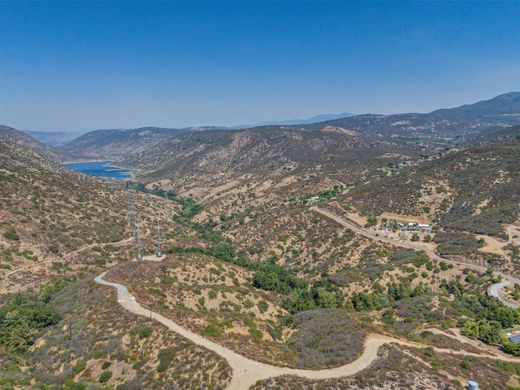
x,y
20,338
324,298
371,220
401,291
427,238
266,280
54,248
388,317
105,376
300,300
512,348
490,332
470,329
366,302
415,237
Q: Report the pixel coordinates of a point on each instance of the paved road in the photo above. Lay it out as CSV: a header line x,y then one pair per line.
x,y
493,290
246,372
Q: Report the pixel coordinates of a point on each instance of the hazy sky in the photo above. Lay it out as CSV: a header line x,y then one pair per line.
x,y
77,66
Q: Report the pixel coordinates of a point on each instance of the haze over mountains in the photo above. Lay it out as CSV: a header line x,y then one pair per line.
x,y
54,138
462,121
458,122
314,119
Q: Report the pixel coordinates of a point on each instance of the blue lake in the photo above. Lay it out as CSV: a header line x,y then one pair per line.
x,y
100,168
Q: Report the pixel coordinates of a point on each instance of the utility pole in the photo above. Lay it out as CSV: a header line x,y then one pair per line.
x,y
139,256
158,237
132,218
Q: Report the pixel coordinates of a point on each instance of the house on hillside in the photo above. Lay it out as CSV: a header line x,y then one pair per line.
x,y
418,227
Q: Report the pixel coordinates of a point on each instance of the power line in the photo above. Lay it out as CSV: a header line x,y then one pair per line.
x,y
139,256
158,237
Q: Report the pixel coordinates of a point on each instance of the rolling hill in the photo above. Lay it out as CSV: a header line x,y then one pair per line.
x,y
117,143
475,189
55,215
265,162
22,139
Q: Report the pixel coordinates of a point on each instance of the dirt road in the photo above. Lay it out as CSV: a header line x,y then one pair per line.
x,y
493,290
247,372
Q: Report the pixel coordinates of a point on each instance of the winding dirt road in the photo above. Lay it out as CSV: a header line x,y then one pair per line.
x,y
493,290
247,372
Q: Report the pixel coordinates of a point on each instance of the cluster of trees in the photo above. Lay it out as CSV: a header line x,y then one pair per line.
x,y
272,277
26,314
512,348
379,299
329,194
489,332
490,309
300,295
488,317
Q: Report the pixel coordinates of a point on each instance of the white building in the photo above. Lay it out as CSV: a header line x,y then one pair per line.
x,y
419,227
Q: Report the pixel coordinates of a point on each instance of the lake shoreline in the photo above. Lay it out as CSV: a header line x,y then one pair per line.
x,y
101,168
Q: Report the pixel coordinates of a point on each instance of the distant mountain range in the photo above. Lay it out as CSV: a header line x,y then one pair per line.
x,y
502,110
54,138
314,119
462,122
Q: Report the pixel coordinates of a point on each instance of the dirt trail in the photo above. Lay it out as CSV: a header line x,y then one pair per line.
x,y
247,372
493,290
117,243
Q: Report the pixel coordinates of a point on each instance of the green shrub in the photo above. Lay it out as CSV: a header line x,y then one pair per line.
x,y
263,306
165,357
105,376
54,248
371,220
142,331
212,331
79,366
11,234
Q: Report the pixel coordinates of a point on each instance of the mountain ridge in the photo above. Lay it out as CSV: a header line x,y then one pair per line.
x,y
20,138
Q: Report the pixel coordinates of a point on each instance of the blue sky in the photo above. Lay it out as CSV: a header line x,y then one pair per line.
x,y
77,66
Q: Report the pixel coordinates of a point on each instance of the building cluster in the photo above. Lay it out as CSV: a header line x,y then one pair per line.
x,y
417,227
407,227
